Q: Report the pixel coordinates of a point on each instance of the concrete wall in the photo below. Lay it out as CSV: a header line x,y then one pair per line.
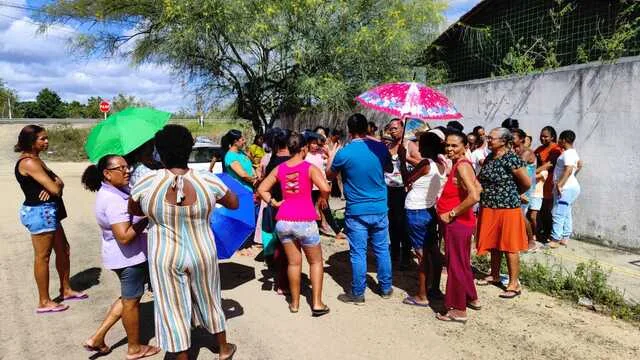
x,y
601,103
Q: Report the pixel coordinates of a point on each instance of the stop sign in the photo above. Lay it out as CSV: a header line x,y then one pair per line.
x,y
105,106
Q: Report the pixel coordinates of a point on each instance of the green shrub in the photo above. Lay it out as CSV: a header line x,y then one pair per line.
x,y
66,143
589,280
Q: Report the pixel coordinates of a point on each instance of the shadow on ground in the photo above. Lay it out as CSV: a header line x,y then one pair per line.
x,y
84,280
339,268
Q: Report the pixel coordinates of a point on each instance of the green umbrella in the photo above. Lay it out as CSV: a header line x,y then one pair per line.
x,y
124,132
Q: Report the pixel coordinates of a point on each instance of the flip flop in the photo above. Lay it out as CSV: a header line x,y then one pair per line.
x,y
474,307
57,308
449,318
76,297
485,282
293,310
320,312
510,294
234,348
102,350
410,300
150,351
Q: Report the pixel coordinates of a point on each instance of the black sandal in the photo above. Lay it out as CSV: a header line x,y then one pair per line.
x,y
320,312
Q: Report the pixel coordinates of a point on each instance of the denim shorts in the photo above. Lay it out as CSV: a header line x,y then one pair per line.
x,y
132,280
535,203
305,232
420,227
40,218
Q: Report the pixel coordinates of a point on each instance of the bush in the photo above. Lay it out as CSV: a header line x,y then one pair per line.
x,y
589,280
66,143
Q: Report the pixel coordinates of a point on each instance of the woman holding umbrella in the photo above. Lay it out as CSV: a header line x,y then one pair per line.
x,y
183,260
124,250
41,214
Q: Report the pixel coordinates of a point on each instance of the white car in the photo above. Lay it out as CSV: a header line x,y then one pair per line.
x,y
203,151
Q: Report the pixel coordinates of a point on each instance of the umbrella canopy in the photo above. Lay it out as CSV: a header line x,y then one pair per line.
x,y
232,227
409,100
124,132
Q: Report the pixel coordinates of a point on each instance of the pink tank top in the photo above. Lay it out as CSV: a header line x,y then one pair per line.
x,y
295,183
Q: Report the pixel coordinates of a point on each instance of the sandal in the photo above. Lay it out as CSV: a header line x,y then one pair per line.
x,y
474,307
510,294
485,281
146,351
410,300
293,310
102,349
450,318
317,313
234,348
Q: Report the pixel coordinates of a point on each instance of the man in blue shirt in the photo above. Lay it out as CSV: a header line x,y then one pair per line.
x,y
362,164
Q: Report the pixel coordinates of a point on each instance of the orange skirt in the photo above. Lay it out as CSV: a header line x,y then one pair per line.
x,y
501,229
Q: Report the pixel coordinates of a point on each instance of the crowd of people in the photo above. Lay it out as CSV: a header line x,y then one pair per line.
x,y
419,200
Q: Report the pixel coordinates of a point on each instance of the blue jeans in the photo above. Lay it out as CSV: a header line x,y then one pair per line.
x,y
421,227
358,229
561,213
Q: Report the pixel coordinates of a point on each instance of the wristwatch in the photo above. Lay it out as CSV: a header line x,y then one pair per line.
x,y
452,213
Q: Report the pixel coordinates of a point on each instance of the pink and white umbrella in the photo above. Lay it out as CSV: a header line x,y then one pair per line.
x,y
409,100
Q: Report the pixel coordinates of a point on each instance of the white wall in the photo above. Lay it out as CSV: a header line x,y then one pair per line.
x,y
601,103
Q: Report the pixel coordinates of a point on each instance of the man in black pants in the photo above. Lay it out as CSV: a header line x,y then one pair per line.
x,y
400,245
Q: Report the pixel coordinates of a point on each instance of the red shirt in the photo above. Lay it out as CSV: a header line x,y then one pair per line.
x,y
545,154
452,195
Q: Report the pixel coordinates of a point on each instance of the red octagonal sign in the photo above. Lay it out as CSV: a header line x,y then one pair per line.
x,y
105,106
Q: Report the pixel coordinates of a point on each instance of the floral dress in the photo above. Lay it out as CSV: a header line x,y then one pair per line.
x,y
499,188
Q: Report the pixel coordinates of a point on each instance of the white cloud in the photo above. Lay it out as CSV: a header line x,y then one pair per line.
x,y
457,8
30,62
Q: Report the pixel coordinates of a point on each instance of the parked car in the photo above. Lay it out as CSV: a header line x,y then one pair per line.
x,y
203,151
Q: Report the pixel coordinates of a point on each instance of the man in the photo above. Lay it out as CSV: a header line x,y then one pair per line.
x,y
396,195
362,164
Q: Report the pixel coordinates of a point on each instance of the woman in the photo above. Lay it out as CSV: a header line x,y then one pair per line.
x,y
547,155
565,191
235,161
183,262
41,213
296,226
529,158
124,250
318,157
424,184
256,150
501,226
454,207
280,154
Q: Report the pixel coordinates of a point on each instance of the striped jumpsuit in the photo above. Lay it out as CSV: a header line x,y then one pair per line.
x,y
183,262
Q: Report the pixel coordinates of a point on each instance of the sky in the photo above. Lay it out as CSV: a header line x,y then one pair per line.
x,y
30,61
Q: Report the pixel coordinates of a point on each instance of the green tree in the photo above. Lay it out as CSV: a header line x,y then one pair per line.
x,y
48,105
75,109
92,110
121,102
28,109
8,101
274,58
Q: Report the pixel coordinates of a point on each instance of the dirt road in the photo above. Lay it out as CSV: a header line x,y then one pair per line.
x,y
531,326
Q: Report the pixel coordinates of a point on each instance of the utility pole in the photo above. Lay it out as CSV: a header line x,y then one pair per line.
x,y
9,102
